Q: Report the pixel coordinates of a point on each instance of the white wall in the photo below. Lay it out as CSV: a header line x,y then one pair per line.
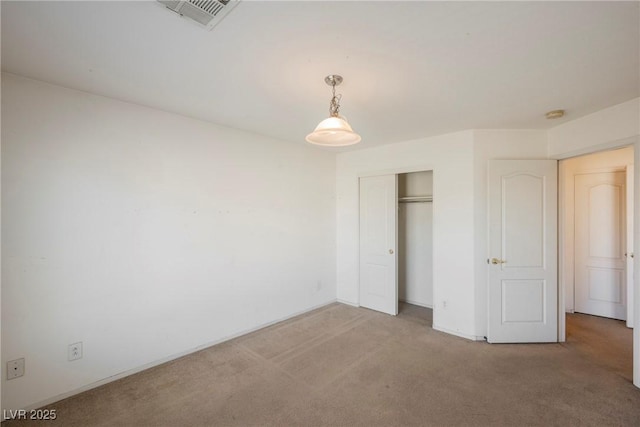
x,y
610,160
450,157
415,240
492,145
146,234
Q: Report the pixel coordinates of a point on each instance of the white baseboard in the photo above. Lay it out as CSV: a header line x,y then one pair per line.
x,y
352,304
420,304
167,359
458,334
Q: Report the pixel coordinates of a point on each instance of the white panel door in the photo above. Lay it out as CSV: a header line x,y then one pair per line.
x,y
630,256
378,219
523,273
600,244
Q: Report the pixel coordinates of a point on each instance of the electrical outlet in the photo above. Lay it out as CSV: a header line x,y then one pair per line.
x,y
75,351
15,368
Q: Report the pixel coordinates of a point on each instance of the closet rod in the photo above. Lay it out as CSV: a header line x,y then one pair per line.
x,y
416,199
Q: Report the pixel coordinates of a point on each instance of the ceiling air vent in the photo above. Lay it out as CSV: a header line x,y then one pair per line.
x,y
205,12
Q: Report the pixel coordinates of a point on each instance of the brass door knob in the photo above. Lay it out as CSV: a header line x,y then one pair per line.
x,y
497,261
391,251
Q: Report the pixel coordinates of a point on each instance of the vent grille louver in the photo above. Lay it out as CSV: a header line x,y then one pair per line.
x,y
205,12
209,6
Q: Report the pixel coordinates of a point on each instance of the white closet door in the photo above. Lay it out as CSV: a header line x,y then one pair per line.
x,y
378,247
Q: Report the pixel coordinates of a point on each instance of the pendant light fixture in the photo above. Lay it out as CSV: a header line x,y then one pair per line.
x,y
334,131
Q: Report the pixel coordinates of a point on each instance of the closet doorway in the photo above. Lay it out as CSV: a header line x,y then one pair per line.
x,y
415,238
396,245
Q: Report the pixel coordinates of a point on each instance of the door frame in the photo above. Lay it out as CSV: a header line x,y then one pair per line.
x,y
626,142
564,227
395,171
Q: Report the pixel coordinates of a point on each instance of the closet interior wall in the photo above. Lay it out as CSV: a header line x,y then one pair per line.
x,y
415,240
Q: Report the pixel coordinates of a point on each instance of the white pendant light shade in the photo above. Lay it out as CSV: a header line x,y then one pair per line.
x,y
333,132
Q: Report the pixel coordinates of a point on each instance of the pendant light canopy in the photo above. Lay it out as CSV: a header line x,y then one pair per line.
x,y
334,131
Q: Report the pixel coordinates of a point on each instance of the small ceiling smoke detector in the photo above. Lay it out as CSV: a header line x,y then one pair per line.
x,y
207,13
555,114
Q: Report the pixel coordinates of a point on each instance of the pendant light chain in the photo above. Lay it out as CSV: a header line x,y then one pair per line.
x,y
334,105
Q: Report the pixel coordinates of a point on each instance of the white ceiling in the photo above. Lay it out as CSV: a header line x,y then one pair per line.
x,y
411,69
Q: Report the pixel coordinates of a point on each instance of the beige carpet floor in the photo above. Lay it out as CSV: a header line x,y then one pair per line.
x,y
346,366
